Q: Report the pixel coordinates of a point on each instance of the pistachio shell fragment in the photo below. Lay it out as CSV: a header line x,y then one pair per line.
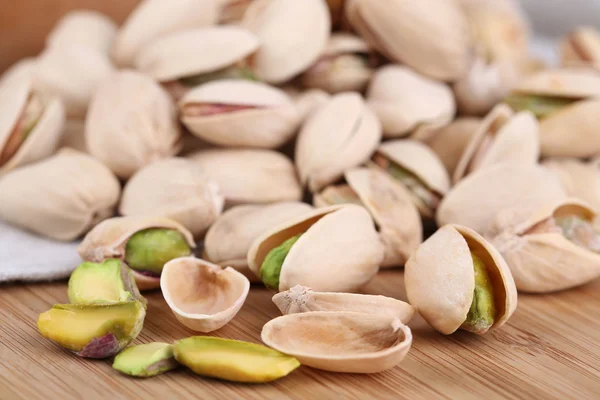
x,y
299,299
146,360
93,331
175,188
450,141
203,296
339,250
86,28
233,360
581,46
457,279
77,191
340,341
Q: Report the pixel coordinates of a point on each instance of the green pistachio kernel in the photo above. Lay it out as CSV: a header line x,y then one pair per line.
x,y
483,310
271,266
150,249
540,106
414,184
580,231
234,72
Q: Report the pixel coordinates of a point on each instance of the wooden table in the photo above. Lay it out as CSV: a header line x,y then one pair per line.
x,y
550,349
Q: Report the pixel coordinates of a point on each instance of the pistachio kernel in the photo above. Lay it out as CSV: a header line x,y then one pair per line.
x,y
271,266
540,106
482,313
147,251
580,231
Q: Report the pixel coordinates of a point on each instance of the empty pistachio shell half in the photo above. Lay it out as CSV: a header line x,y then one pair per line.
x,y
340,341
391,205
175,188
250,176
233,360
556,248
406,102
30,125
152,19
144,243
131,122
414,39
337,249
346,64
87,28
299,299
418,168
581,46
240,113
457,279
478,199
228,240
341,134
61,197
277,24
502,137
203,296
578,179
145,360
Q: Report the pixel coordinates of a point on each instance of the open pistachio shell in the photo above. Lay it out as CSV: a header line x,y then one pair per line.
x,y
390,204
175,188
61,197
338,250
582,46
546,254
579,179
425,167
440,279
476,200
250,176
341,134
340,341
406,102
300,299
109,239
131,122
152,19
414,39
239,113
87,28
450,141
228,240
203,296
195,51
277,24
30,125
502,137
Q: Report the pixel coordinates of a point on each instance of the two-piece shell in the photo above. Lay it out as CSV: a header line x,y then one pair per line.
x,y
450,141
176,188
339,250
203,296
579,179
440,278
61,197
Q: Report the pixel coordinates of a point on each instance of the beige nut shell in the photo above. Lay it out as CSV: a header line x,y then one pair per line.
x,y
440,278
203,296
450,141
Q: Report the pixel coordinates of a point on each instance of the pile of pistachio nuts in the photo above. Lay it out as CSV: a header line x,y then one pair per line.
x,y
205,145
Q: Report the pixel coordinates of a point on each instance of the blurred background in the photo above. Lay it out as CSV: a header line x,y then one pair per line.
x,y
25,23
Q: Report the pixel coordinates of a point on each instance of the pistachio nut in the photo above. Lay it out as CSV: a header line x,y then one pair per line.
x,y
143,360
278,23
73,135
457,279
579,179
144,243
300,299
73,73
239,113
152,19
415,38
30,124
557,247
581,46
131,122
476,201
175,188
203,296
86,28
563,100
503,136
450,141
340,341
346,64
337,249
341,134
418,168
406,102
390,204
61,197
228,240
250,176
309,101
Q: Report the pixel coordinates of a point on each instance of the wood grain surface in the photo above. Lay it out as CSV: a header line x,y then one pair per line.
x,y
550,349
